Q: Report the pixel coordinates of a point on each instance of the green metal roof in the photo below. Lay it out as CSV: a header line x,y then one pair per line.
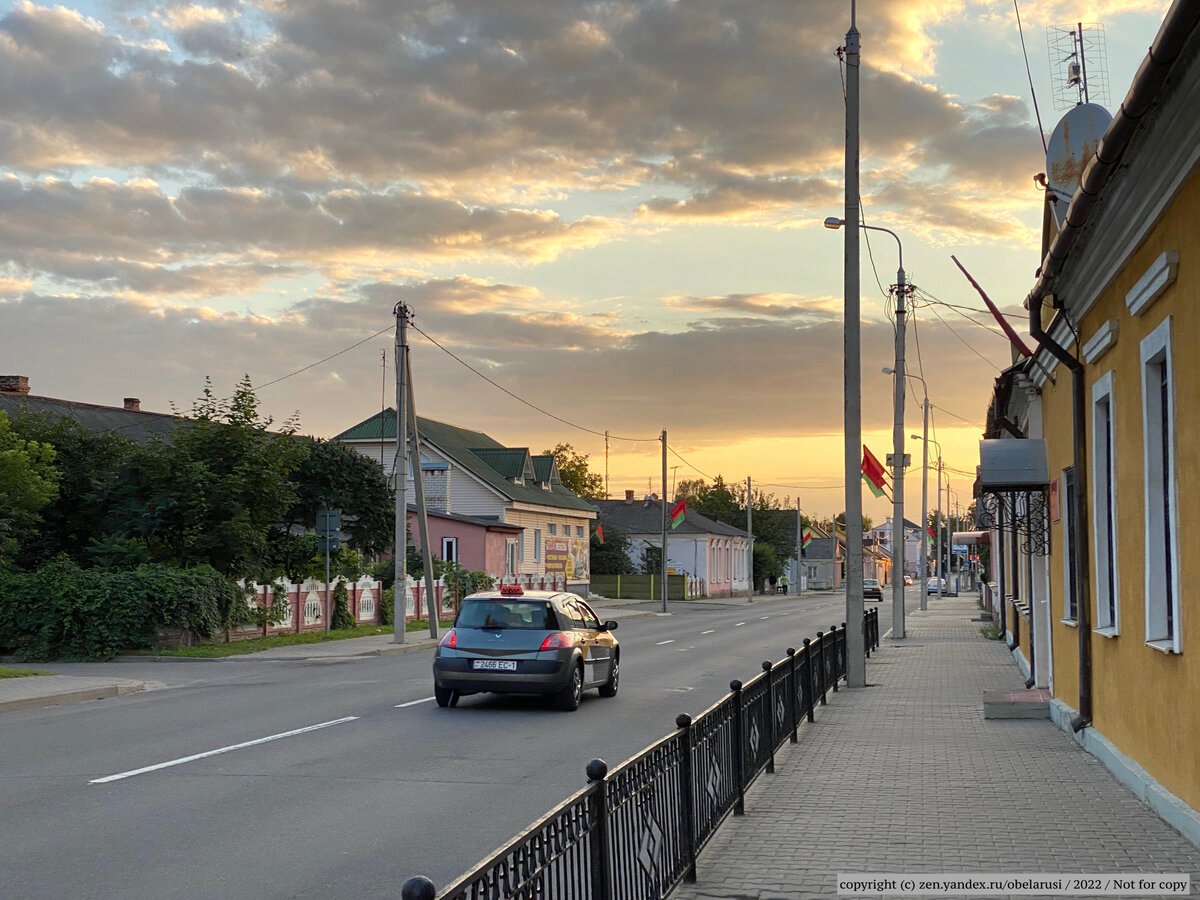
x,y
478,454
511,462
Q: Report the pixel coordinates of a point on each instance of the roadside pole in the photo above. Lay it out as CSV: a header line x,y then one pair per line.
x,y
750,546
399,467
664,521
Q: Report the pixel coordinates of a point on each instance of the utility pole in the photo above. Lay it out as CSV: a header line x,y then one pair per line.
x,y
664,520
937,565
434,607
898,461
750,545
856,663
399,469
799,546
924,568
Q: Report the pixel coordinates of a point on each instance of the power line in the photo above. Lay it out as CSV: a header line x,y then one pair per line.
x,y
325,360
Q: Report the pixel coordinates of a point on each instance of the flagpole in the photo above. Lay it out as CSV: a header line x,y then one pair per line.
x,y
750,546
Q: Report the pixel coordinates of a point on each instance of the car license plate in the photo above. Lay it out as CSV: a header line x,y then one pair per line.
x,y
503,665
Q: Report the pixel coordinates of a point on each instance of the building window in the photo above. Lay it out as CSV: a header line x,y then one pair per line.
x,y
578,531
1158,436
1104,503
1070,574
521,548
554,528
537,545
450,549
510,558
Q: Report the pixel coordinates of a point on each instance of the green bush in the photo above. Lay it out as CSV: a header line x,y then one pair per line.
x,y
341,608
387,603
61,611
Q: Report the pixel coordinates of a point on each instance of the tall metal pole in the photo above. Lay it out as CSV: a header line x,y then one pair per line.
x,y
431,599
399,468
799,546
750,546
924,570
856,663
937,564
898,462
664,520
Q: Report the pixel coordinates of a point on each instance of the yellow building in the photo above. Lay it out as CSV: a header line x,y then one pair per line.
x,y
1099,574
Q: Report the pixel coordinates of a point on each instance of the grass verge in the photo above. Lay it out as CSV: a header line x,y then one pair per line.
x,y
20,673
253,645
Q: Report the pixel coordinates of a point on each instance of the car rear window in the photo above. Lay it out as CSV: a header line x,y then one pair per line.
x,y
535,616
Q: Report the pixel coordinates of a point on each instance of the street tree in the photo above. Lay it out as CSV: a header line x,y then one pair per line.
x,y
28,482
574,473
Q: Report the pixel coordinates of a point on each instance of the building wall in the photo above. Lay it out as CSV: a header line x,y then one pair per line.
x,y
1143,699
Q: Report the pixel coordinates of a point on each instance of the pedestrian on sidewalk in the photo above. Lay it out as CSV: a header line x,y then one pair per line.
x,y
783,582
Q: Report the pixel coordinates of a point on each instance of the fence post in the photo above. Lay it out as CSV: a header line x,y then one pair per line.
x,y
792,712
739,808
766,667
838,668
808,680
597,771
684,722
821,670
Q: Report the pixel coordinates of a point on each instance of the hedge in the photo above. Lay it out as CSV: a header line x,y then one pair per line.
x,y
64,612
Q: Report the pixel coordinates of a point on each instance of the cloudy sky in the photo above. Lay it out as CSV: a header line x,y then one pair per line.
x,y
610,208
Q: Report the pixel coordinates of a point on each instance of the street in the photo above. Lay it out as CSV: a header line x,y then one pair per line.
x,y
221,785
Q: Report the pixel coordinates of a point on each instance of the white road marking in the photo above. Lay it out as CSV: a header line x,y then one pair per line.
x,y
739,624
664,643
187,759
412,703
710,631
764,617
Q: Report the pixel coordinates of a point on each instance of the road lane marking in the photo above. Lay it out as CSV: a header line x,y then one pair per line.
x,y
710,631
739,624
664,643
413,702
764,617
187,759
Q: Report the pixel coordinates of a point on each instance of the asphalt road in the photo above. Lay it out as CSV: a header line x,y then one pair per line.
x,y
365,781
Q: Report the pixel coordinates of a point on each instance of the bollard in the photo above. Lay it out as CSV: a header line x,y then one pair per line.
x,y
597,771
739,808
418,888
684,722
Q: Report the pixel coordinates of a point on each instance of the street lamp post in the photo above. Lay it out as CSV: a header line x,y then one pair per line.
x,y
927,440
923,562
897,432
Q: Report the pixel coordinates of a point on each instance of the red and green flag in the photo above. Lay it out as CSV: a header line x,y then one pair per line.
x,y
600,533
873,473
678,511
929,531
806,537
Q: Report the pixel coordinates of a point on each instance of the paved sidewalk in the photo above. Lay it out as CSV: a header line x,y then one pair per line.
x,y
906,776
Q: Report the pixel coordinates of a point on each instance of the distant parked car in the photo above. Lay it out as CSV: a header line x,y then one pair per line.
x,y
908,579
935,584
872,590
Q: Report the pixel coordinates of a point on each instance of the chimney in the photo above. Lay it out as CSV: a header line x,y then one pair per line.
x,y
14,384
133,403
629,496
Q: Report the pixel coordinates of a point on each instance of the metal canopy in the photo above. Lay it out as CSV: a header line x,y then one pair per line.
x,y
1012,466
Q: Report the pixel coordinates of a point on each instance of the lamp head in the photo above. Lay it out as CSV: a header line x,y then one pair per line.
x,y
916,437
888,371
834,223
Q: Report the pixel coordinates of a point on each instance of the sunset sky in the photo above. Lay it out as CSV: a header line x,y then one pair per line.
x,y
611,209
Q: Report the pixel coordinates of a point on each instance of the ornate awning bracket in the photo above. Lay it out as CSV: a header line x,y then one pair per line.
x,y
1025,509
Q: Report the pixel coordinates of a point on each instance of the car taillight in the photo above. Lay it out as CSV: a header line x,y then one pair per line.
x,y
450,640
556,641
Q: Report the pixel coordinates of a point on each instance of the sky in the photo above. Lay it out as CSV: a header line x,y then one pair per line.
x,y
603,215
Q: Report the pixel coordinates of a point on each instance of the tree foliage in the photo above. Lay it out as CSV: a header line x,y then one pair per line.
x,y
28,482
610,557
574,473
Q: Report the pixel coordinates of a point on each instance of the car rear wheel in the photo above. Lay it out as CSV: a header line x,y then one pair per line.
x,y
568,698
445,697
609,688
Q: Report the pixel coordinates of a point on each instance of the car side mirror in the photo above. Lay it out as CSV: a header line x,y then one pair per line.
x,y
610,625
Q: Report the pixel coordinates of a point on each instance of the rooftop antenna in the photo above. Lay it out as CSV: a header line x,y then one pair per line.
x,y
1078,64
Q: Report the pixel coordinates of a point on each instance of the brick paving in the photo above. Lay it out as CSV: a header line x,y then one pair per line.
x,y
906,776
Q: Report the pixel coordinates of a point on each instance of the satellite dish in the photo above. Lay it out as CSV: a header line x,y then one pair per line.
x,y
1073,142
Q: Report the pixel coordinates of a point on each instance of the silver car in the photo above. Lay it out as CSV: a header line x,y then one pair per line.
x,y
513,641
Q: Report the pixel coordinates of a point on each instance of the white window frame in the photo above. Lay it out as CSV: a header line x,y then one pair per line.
x,y
1162,600
1068,532
450,549
537,545
1104,506
511,555
521,549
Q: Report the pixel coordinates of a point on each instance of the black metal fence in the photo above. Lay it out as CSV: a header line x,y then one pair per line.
x,y
635,832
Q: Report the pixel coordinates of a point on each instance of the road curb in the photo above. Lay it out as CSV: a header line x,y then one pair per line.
x,y
64,697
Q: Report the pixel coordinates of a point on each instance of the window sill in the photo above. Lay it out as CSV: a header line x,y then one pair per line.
x,y
1070,623
1107,632
1163,646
